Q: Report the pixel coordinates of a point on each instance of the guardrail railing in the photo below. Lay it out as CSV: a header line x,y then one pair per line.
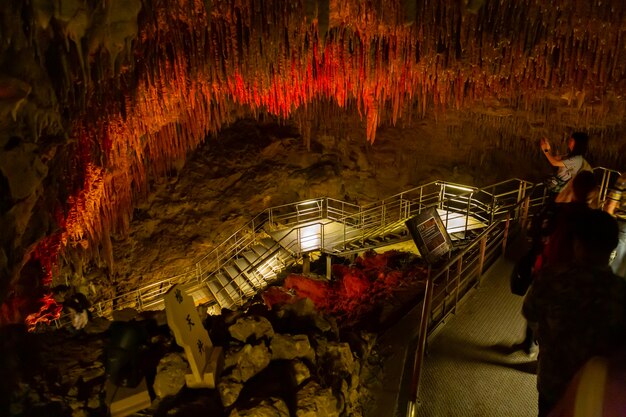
x,y
463,271
486,204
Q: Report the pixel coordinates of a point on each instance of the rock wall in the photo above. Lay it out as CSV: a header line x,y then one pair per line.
x,y
99,98
290,361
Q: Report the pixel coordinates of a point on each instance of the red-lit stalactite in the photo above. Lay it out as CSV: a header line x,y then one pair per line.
x,y
193,73
46,254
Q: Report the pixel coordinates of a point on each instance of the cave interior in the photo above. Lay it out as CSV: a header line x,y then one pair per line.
x,y
134,135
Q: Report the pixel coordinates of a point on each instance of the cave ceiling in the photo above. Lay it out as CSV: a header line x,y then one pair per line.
x,y
96,96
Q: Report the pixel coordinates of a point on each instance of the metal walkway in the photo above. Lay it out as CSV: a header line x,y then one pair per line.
x,y
334,237
471,368
472,320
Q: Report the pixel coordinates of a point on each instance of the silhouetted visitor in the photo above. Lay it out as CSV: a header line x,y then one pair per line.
x,y
552,241
579,307
568,165
559,239
77,306
616,205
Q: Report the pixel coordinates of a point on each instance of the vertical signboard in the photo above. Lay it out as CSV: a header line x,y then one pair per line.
x,y
430,235
191,335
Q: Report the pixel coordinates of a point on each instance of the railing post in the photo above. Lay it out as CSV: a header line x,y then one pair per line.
x,y
481,260
383,215
525,209
421,346
469,208
139,301
419,209
505,235
459,269
519,198
329,266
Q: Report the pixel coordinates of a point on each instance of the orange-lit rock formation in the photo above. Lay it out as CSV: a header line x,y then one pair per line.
x,y
95,97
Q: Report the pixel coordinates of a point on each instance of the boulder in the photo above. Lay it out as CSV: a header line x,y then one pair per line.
x,y
247,361
170,377
229,390
251,326
313,401
289,347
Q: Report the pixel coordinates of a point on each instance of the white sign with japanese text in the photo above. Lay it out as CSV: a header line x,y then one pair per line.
x,y
185,323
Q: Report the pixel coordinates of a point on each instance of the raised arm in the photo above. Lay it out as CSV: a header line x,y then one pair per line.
x,y
545,147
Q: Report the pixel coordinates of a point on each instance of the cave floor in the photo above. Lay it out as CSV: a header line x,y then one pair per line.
x,y
470,368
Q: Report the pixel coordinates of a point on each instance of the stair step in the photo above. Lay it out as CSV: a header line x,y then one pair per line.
x,y
220,294
245,287
250,256
269,243
238,279
199,293
242,264
229,286
213,286
260,250
255,278
231,272
252,276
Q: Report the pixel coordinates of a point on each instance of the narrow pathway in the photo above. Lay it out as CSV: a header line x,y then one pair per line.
x,y
470,368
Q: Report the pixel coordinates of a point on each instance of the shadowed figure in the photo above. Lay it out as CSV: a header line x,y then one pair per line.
x,y
579,307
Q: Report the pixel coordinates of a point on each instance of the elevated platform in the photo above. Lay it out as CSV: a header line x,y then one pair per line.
x,y
330,236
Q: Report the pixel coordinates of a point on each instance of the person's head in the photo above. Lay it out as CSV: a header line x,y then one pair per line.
x,y
585,187
595,236
578,143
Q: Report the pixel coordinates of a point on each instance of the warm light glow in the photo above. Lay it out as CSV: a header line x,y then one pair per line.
x,y
310,237
191,72
458,187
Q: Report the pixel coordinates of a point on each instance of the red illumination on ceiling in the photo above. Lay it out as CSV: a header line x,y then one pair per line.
x,y
190,73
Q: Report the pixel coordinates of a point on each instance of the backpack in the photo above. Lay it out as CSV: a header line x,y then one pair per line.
x,y
522,274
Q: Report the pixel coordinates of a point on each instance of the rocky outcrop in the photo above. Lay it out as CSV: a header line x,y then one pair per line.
x,y
266,372
170,375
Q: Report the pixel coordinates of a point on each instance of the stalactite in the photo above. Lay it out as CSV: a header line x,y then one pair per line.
x,y
196,71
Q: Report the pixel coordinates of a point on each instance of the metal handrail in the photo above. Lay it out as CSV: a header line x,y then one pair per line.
x,y
467,274
368,218
488,244
487,204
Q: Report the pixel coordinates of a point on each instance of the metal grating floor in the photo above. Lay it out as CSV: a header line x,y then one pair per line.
x,y
470,368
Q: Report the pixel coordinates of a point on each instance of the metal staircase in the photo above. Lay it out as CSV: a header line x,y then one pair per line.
x,y
251,258
249,272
